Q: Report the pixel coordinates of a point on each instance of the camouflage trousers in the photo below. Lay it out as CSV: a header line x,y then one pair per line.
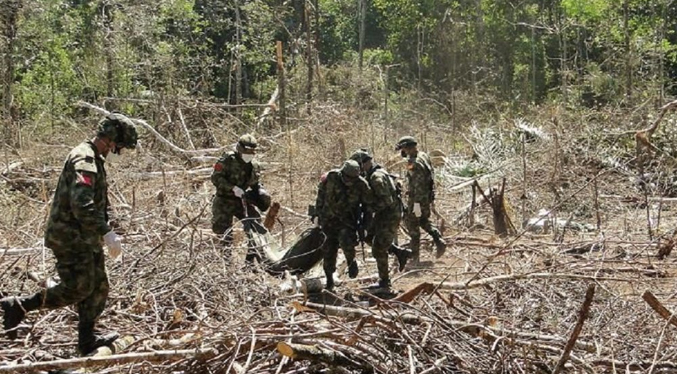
x,y
84,282
224,208
337,235
414,224
385,227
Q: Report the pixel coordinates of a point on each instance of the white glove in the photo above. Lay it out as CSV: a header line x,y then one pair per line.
x,y
417,210
114,244
238,191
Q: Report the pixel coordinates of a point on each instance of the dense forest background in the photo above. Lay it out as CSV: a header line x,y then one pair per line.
x,y
466,58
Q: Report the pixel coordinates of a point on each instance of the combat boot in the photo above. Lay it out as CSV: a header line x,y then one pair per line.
x,y
330,284
384,283
402,255
88,341
15,309
353,270
440,246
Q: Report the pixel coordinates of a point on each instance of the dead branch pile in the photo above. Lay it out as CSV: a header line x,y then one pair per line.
x,y
536,303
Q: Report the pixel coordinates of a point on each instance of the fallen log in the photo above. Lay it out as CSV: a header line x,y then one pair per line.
x,y
316,354
159,356
619,365
464,285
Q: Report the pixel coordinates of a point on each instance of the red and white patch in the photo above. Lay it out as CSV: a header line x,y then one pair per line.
x,y
84,180
323,178
218,167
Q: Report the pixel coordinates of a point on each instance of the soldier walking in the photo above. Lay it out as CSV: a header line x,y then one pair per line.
x,y
387,213
238,189
420,196
76,229
341,194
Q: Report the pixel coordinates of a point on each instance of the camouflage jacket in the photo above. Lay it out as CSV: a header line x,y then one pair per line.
x,y
384,189
338,202
420,179
231,171
79,210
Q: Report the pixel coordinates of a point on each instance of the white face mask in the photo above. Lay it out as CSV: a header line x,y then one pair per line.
x,y
112,157
246,157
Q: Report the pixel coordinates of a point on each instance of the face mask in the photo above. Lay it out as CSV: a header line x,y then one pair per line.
x,y
112,157
247,157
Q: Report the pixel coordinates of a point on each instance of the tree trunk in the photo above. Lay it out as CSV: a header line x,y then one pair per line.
x,y
628,52
238,59
9,16
108,48
363,10
309,58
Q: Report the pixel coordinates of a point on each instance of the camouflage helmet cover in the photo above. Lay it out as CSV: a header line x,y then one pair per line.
x,y
247,141
350,169
361,156
120,129
405,141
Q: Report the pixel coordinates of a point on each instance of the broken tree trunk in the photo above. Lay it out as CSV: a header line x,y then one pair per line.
x,y
271,216
158,356
502,224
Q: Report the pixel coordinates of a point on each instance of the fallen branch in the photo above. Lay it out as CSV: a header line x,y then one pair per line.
x,y
159,356
316,354
154,132
464,285
659,308
582,316
270,106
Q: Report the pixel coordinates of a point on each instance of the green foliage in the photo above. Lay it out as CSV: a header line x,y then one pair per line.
x,y
492,54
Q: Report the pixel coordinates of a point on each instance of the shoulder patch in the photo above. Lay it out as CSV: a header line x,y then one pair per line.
x,y
218,166
84,179
83,158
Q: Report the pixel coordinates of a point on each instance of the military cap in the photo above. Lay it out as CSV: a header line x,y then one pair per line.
x,y
361,156
247,141
350,169
405,141
120,129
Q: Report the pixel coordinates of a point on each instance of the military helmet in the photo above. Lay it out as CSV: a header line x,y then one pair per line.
x,y
361,156
247,141
350,169
120,129
405,141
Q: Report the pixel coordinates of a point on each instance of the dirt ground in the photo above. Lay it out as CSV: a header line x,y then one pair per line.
x,y
172,279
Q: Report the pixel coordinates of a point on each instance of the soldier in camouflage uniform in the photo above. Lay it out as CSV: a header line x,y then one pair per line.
x,y
76,230
387,213
238,190
420,196
341,194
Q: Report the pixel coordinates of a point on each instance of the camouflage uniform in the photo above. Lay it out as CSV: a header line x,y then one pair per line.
x,y
339,200
77,222
230,171
420,182
387,214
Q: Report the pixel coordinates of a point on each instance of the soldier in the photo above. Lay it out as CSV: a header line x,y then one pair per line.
x,y
420,196
341,194
76,229
238,190
387,209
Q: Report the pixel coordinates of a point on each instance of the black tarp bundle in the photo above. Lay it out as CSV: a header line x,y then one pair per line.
x,y
302,256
